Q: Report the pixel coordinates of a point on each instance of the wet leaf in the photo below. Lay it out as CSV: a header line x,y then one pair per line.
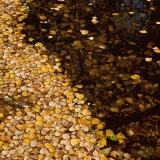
x,y
109,133
132,43
113,138
135,76
102,142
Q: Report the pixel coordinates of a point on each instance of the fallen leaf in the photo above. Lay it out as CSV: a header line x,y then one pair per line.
x,y
102,142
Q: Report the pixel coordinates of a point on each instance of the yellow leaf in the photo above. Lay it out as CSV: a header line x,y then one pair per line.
x,y
48,145
84,32
12,75
120,136
24,94
103,158
44,69
135,76
1,143
101,126
75,141
30,39
32,131
115,14
109,133
96,121
1,115
79,96
157,22
19,113
132,43
39,123
27,140
18,81
36,108
102,142
57,110
1,82
39,44
39,118
20,126
86,158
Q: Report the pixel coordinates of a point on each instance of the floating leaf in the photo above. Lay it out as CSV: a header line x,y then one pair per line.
x,y
39,44
144,153
91,130
102,142
106,151
115,14
84,32
135,76
96,121
120,136
113,138
109,133
148,59
132,43
130,100
156,49
158,22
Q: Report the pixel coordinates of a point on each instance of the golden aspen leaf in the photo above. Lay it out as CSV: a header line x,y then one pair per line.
x,y
75,141
39,123
66,15
120,136
19,113
1,143
84,32
131,12
96,121
57,110
102,142
24,94
39,118
79,96
130,100
132,43
5,147
86,158
39,44
106,151
2,82
109,133
135,76
101,126
27,140
42,17
30,39
121,141
32,131
12,75
20,126
48,145
77,43
36,108
1,115
44,69
115,14
2,125
18,81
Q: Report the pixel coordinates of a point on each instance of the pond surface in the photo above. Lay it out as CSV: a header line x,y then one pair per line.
x,y
111,50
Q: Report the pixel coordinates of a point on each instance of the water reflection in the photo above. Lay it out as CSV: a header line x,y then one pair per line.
x,y
118,49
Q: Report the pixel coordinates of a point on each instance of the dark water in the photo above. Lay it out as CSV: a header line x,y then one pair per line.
x,y
104,65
